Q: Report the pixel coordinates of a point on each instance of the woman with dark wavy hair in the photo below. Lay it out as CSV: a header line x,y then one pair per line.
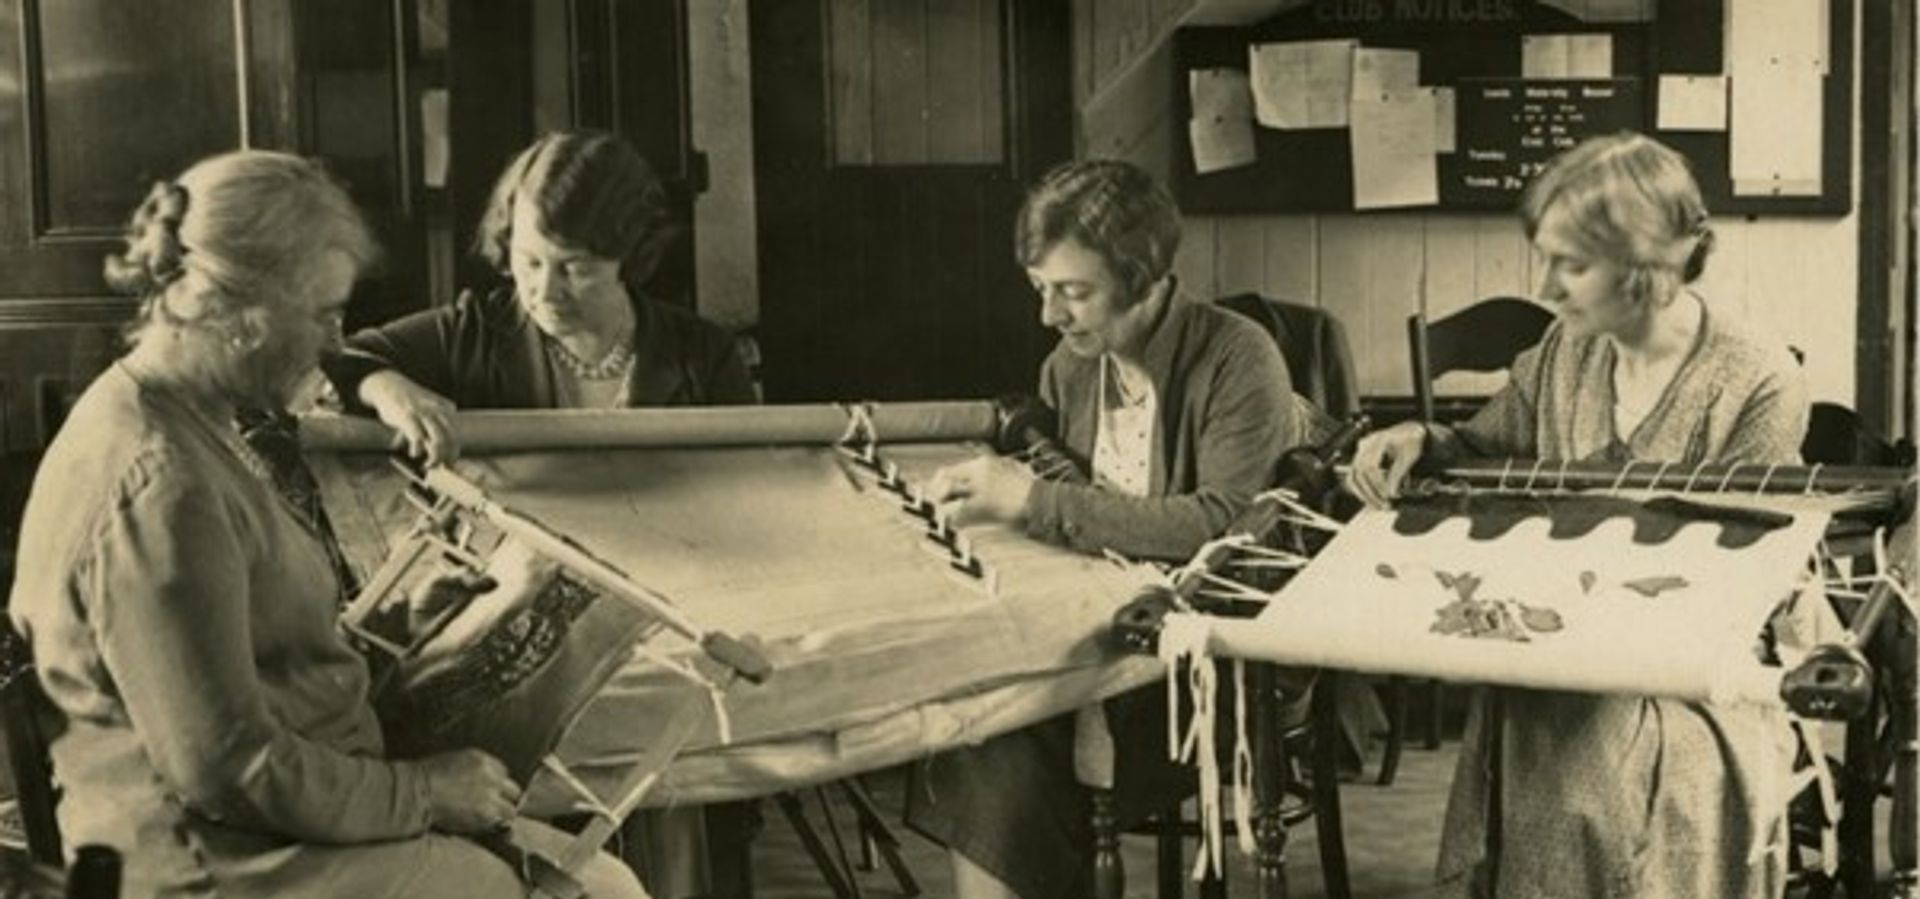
x,y
577,223
1179,411
179,583
1606,795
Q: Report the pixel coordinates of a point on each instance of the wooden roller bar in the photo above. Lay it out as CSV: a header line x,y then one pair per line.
x,y
806,424
1532,474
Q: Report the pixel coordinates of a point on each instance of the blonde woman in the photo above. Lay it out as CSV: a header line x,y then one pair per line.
x,y
1614,796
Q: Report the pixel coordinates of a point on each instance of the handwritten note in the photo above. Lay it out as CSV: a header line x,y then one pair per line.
x,y
1377,71
1301,84
1693,103
1393,145
1774,147
1776,32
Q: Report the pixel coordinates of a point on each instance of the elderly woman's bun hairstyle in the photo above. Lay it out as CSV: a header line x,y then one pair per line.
x,y
590,191
1633,201
232,236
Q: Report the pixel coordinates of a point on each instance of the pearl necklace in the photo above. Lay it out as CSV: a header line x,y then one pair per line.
x,y
615,364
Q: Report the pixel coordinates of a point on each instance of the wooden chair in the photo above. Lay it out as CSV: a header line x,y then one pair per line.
x,y
1484,337
1312,746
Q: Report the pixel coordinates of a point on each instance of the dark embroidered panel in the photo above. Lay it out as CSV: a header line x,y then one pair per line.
x,y
1655,521
509,653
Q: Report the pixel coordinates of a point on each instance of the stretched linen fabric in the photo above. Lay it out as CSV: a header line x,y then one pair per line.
x,y
1475,591
881,650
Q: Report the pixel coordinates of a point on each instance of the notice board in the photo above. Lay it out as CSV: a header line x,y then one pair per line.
x,y
1505,126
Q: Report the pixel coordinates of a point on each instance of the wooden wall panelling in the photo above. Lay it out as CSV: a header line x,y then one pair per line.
x,y
1291,263
1343,260
900,83
963,73
1451,277
1500,257
1239,256
849,40
1724,283
1193,262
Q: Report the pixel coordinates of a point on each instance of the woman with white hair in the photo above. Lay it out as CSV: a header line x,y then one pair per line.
x,y
179,583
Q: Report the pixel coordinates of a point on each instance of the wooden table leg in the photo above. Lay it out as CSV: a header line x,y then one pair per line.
x,y
1903,831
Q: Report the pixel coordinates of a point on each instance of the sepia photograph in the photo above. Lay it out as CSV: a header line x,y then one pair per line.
x,y
960,449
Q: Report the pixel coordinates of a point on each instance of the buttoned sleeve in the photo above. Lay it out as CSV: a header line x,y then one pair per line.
x,y
1244,423
166,587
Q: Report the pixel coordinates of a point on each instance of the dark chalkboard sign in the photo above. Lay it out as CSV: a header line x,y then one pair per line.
x,y
1507,129
1464,44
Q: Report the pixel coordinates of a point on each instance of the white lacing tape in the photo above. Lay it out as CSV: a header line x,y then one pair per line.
x,y
1226,586
860,427
1243,770
1196,566
588,801
1298,513
1813,475
722,722
1184,638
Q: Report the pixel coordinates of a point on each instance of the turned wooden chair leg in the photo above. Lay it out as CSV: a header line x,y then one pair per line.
x,y
1265,705
1109,876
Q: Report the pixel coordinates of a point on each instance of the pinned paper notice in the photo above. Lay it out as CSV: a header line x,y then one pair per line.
x,y
1301,84
1693,103
1566,56
1220,94
1776,32
1377,71
1220,144
1393,144
1221,130
1774,147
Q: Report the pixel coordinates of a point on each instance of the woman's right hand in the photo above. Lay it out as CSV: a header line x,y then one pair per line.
x,y
421,419
1381,461
469,791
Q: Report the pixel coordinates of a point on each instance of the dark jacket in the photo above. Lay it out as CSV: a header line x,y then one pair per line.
x,y
482,352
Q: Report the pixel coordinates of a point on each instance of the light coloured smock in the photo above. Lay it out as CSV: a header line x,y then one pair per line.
x,y
1607,796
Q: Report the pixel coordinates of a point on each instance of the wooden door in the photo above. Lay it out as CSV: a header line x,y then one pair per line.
x,y
100,98
885,222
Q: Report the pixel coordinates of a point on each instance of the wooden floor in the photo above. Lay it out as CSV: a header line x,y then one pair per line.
x,y
1392,835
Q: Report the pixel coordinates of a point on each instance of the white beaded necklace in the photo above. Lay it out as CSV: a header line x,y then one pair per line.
x,y
615,364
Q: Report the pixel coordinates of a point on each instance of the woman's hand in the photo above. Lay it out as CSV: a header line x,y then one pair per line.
x,y
469,791
421,419
983,489
1381,462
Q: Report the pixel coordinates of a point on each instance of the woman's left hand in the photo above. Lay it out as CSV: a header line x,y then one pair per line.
x,y
422,421
983,489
